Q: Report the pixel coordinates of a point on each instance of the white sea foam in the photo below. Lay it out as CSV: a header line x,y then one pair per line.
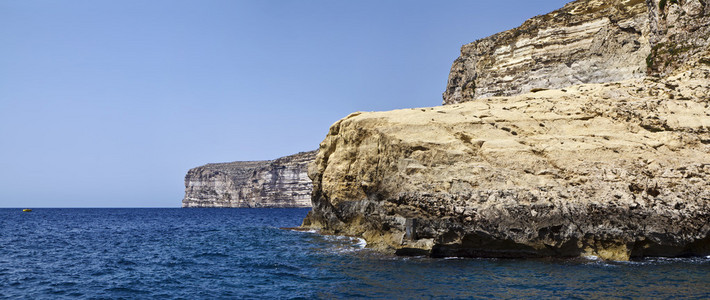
x,y
591,257
306,231
345,244
361,242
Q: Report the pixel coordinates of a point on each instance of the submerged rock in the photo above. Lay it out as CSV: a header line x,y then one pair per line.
x,y
281,182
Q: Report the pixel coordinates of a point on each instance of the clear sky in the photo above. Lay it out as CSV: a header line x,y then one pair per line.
x,y
109,103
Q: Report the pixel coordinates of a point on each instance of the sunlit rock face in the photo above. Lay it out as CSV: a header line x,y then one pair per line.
x,y
587,41
616,170
282,182
598,144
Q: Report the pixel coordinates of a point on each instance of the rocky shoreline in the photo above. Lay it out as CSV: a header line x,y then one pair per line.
x,y
611,166
583,132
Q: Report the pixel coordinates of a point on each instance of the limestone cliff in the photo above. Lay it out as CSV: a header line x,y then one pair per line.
x,y
587,41
615,170
282,182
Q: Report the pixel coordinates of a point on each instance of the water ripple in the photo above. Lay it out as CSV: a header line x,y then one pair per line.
x,y
241,253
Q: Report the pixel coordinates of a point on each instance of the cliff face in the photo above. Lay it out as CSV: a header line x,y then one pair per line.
x,y
612,170
587,41
275,183
680,33
615,170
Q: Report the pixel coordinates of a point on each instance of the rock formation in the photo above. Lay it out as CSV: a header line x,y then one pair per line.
x,y
282,182
615,170
587,41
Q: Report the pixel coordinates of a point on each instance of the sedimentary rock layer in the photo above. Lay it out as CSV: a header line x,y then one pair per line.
x,y
598,143
680,33
615,170
587,41
282,182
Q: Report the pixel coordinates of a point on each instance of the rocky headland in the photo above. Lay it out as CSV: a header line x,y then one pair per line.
x,y
583,132
281,182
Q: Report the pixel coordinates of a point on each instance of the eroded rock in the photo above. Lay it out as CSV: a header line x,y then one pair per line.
x,y
607,155
614,170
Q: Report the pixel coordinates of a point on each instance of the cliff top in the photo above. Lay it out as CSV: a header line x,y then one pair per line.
x,y
238,167
586,41
572,14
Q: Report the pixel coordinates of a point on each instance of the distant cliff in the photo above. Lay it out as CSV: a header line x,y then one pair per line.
x,y
583,42
281,182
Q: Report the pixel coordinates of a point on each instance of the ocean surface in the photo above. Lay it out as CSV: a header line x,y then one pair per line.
x,y
241,253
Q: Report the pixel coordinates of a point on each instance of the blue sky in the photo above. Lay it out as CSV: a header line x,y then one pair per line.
x,y
109,103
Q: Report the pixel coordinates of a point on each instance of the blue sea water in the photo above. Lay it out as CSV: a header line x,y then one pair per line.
x,y
242,253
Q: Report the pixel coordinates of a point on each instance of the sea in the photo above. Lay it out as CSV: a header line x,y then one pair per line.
x,y
173,253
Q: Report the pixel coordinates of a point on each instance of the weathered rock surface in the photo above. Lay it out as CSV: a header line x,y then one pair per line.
x,y
616,170
587,41
680,33
613,170
281,182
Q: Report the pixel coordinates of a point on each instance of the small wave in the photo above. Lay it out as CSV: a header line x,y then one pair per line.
x,y
591,257
75,294
299,229
452,257
126,262
362,243
671,260
210,254
100,273
126,290
405,258
344,244
62,284
336,238
598,261
595,260
304,231
355,241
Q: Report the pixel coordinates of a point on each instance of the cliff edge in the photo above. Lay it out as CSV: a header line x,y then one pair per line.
x,y
586,41
615,170
281,182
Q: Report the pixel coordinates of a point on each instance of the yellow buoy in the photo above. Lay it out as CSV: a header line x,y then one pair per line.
x,y
27,210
